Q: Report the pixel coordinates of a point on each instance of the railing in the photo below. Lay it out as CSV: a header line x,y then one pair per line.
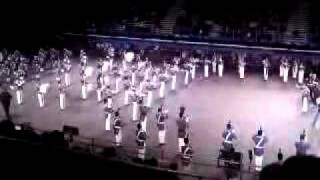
x,y
195,43
231,36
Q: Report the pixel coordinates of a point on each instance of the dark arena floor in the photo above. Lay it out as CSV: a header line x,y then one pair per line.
x,y
210,102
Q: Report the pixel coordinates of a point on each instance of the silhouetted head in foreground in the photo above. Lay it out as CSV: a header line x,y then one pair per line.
x,y
296,167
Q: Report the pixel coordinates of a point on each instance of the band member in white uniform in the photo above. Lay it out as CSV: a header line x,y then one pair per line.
x,y
242,64
107,115
281,68
214,64
141,137
182,128
259,140
162,127
192,66
133,74
67,67
40,94
305,99
83,86
19,92
108,97
301,74
147,70
117,128
162,89
295,69
117,76
155,74
135,99
127,90
187,73
206,68
149,88
220,66
99,90
266,66
143,117
285,71
173,73
228,136
62,97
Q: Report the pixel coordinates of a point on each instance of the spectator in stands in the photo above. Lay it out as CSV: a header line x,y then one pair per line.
x,y
5,98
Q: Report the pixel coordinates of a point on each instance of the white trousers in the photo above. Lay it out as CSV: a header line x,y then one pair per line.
x,y
135,111
133,78
186,78
144,124
108,122
149,99
62,101
99,95
300,76
117,85
19,94
294,72
141,152
265,74
281,71
162,136
241,72
193,72
285,74
84,92
220,70
214,67
126,97
180,143
109,102
67,79
258,162
305,104
40,99
146,74
162,89
118,138
206,70
173,82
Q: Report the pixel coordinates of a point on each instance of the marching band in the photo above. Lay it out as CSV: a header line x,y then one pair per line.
x,y
139,79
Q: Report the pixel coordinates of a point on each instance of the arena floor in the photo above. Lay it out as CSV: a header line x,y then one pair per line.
x,y
210,102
